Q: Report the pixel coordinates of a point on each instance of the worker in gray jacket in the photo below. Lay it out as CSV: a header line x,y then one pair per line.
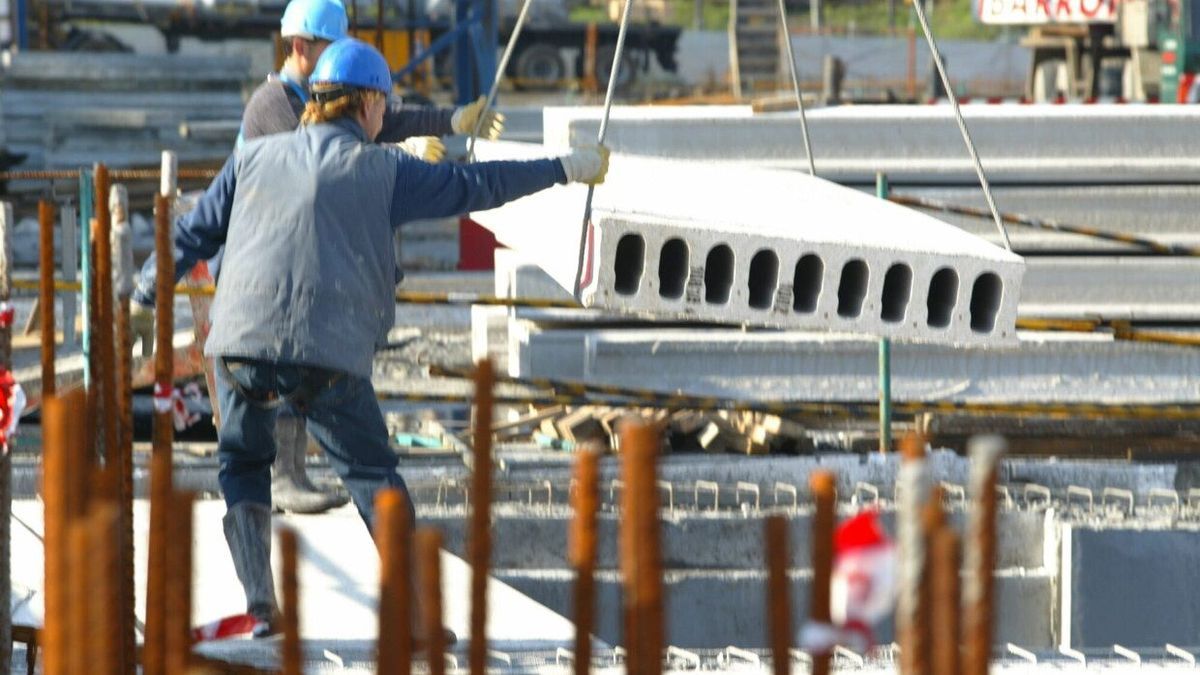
x,y
306,292
307,28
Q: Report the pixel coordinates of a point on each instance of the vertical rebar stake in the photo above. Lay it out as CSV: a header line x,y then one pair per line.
x,y
823,486
161,464
481,514
62,438
980,553
102,570
585,503
944,570
178,629
779,608
290,648
106,378
640,554
429,550
912,489
393,535
123,253
46,293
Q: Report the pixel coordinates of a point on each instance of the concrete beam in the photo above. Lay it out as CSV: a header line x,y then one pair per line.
x,y
733,606
1133,587
1064,368
1072,144
768,248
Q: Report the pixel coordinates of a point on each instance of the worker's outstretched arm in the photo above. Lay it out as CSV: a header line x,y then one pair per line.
x,y
404,120
198,235
426,190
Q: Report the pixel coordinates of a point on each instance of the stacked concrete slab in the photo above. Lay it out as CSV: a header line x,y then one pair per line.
x,y
761,247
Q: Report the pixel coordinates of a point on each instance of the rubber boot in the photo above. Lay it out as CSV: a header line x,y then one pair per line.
x,y
248,533
291,490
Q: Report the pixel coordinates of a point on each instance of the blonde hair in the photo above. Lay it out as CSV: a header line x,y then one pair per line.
x,y
346,105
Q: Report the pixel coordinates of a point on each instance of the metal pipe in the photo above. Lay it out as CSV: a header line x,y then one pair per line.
x,y
290,648
980,553
46,293
85,262
481,514
70,263
613,75
429,549
393,535
779,605
823,486
885,356
585,503
6,225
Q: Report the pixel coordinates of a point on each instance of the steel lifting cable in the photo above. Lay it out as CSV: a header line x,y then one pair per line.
x,y
962,125
613,75
491,98
791,56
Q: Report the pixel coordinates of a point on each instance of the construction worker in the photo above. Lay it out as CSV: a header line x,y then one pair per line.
x,y
307,28
306,291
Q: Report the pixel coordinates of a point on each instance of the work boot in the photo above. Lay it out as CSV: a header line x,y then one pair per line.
x,y
248,533
291,490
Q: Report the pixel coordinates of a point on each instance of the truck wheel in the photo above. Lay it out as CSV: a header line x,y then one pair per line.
x,y
539,66
604,63
1049,80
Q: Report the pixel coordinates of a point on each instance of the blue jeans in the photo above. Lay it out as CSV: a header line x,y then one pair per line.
x,y
343,416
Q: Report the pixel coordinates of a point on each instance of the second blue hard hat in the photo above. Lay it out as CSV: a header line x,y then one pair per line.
x,y
314,19
353,63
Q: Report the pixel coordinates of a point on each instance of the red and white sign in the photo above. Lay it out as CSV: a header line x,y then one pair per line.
x,y
1035,12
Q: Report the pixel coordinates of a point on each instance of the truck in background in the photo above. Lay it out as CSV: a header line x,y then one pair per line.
x,y
1138,50
550,52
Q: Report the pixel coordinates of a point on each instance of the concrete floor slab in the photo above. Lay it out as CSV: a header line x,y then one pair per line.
x,y
773,248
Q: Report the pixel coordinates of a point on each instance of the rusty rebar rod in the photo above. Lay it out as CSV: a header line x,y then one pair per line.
x,y
946,602
912,490
481,515
102,570
62,479
779,606
79,627
290,648
178,619
123,280
46,293
641,556
980,553
429,563
393,536
161,465
823,486
585,503
102,340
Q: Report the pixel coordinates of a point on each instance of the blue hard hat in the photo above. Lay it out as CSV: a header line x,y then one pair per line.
x,y
313,19
352,63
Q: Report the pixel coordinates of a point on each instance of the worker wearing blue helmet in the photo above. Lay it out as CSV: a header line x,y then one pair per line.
x,y
307,28
306,291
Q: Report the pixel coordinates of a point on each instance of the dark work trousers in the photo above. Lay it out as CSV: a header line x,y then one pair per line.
x,y
343,416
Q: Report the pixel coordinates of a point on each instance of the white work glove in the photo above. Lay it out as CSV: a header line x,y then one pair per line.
x,y
141,325
588,164
426,148
464,119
